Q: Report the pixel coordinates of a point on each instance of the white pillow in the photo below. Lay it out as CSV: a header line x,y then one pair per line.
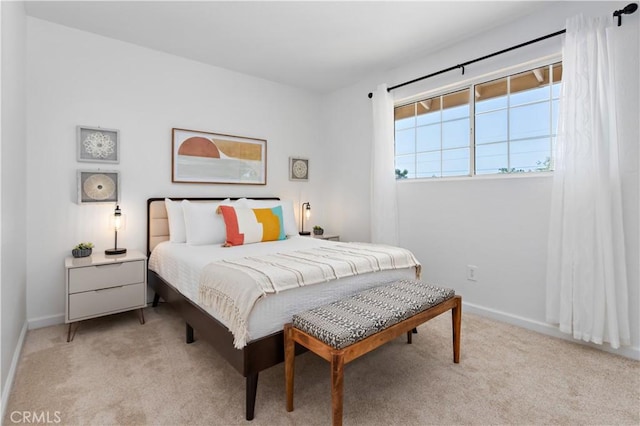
x,y
289,219
202,224
177,232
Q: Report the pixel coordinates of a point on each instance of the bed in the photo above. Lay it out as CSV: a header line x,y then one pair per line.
x,y
174,275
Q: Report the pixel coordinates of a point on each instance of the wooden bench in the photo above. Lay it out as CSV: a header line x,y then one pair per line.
x,y
343,330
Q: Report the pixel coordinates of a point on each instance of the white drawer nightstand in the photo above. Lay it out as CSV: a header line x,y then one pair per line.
x,y
101,285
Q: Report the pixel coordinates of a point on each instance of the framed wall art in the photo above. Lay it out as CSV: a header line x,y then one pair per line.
x,y
203,157
298,168
97,186
98,145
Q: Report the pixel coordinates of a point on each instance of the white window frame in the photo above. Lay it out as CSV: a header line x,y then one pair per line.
x,y
469,84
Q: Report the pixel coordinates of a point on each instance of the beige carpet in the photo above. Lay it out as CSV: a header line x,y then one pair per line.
x,y
117,371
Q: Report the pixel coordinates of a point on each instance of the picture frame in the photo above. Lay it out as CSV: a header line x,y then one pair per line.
x,y
98,186
98,145
205,157
298,169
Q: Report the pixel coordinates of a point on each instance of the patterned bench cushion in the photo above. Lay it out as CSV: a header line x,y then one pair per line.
x,y
347,321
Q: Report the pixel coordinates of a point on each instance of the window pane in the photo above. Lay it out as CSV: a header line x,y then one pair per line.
x,y
529,121
455,162
428,138
455,133
491,158
429,118
531,155
491,95
428,165
405,141
491,104
405,116
491,127
428,111
455,113
533,95
407,162
530,146
455,105
530,86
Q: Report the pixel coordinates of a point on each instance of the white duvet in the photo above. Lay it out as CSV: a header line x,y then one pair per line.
x,y
181,266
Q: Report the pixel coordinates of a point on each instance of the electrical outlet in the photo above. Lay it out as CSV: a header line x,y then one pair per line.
x,y
472,271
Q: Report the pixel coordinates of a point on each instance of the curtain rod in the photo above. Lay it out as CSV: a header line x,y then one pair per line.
x,y
629,9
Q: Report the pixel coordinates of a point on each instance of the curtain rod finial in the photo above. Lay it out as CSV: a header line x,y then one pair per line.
x,y
628,10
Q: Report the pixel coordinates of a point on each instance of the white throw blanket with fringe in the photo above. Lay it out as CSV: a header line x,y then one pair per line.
x,y
232,287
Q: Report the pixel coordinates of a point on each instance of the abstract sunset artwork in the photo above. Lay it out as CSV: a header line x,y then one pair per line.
x,y
203,157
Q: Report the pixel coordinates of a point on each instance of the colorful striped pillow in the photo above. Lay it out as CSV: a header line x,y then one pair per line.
x,y
246,226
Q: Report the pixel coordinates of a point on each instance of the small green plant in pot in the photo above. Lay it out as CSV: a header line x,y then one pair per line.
x,y
82,250
318,230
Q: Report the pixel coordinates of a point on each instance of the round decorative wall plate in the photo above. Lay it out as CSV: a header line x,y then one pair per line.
x,y
298,168
98,186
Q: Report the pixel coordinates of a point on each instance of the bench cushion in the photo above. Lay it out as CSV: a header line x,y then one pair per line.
x,y
347,321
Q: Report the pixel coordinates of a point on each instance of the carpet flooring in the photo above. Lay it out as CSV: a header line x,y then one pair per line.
x,y
119,372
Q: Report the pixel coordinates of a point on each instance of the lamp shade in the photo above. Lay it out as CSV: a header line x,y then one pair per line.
x,y
305,212
117,222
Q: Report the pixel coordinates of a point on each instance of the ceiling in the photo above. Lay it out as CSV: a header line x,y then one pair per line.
x,y
319,46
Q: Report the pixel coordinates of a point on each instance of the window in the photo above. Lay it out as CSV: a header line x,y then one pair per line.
x,y
513,128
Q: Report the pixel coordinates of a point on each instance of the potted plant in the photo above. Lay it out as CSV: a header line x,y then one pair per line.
x,y
317,230
82,250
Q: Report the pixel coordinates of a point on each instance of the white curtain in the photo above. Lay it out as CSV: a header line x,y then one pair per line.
x,y
586,272
384,205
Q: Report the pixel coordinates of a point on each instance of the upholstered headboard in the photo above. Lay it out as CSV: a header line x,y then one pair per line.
x,y
158,223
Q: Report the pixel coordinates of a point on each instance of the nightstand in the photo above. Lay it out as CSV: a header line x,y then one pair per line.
x,y
100,285
329,237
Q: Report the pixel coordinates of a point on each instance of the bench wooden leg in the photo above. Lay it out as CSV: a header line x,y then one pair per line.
x,y
409,337
456,320
289,364
337,387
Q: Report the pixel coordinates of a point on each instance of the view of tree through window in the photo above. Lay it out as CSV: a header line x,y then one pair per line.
x,y
513,130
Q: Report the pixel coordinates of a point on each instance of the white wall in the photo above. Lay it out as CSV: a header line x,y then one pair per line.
x,y
78,78
13,189
500,225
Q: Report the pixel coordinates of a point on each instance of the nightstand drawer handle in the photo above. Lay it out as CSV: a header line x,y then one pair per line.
x,y
107,289
108,265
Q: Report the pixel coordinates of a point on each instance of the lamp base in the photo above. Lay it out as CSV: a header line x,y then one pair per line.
x,y
305,233
115,251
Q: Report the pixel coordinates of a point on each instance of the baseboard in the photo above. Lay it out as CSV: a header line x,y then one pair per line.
x,y
8,384
546,329
46,321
